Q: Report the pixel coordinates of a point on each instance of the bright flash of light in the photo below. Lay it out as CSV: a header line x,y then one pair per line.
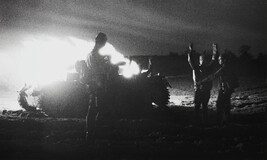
x,y
127,68
46,59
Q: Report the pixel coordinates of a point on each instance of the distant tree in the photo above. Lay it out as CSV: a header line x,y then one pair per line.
x,y
261,65
246,66
233,60
262,58
244,53
232,56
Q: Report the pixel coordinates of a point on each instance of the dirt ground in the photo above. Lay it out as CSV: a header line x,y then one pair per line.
x,y
160,135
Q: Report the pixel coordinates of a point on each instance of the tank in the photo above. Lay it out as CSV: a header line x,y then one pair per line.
x,y
122,97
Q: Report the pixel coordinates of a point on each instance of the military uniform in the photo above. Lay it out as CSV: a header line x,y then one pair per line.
x,y
227,83
96,82
202,91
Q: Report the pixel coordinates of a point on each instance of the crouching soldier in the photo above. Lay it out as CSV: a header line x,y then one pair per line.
x,y
228,81
200,71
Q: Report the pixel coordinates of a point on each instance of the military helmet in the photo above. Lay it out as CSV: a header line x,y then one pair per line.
x,y
225,56
101,37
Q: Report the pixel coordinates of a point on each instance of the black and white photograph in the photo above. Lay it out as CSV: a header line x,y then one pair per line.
x,y
133,79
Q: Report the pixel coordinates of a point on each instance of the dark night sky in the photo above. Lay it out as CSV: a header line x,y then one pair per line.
x,y
140,26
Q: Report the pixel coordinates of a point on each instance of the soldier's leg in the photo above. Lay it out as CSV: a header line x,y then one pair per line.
x,y
197,101
220,107
101,98
205,101
227,100
100,105
91,116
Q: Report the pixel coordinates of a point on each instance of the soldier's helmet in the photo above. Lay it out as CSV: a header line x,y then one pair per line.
x,y
204,58
224,58
101,38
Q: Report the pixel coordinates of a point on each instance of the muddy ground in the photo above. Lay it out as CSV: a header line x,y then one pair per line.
x,y
160,135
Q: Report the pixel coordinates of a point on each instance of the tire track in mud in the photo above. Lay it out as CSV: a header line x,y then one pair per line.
x,y
255,95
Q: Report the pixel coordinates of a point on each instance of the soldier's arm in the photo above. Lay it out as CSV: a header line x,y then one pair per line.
x,y
150,68
214,51
215,54
190,57
150,65
88,60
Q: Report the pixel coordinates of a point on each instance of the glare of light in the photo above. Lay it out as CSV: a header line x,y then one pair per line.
x,y
128,68
45,59
134,68
144,70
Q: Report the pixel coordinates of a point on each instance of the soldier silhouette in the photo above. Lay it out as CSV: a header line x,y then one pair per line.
x,y
97,77
228,81
200,71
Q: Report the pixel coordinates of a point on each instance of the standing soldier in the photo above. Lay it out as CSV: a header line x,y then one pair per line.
x,y
228,81
200,71
97,77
